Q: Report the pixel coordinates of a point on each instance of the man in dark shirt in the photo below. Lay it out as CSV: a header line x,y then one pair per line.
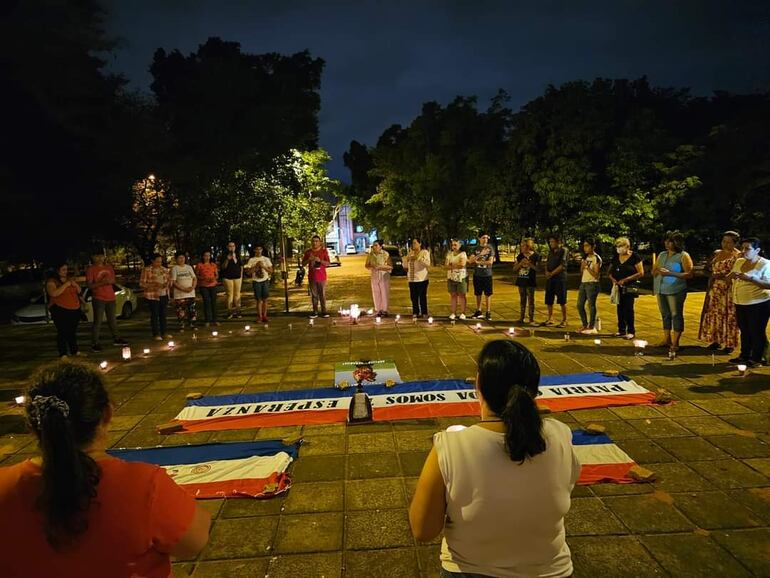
x,y
556,280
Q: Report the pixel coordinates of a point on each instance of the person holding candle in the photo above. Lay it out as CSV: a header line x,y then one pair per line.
x,y
100,277
316,259
379,264
672,269
556,281
417,268
457,279
590,270
155,281
64,304
750,278
525,269
500,489
718,324
260,268
482,259
232,277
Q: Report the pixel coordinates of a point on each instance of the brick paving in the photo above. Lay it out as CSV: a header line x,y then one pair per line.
x,y
707,515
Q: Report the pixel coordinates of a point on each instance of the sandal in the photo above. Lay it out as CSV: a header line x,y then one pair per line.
x,y
562,324
547,323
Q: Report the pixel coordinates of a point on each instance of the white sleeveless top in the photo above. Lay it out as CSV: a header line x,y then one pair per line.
x,y
504,518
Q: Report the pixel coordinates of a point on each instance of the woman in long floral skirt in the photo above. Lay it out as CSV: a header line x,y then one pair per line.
x,y
718,326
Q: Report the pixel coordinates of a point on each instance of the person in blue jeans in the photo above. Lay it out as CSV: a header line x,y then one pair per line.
x,y
670,273
590,269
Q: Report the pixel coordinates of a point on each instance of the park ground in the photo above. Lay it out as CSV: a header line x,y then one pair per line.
x,y
708,514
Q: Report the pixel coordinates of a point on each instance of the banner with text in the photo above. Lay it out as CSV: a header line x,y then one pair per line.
x,y
410,400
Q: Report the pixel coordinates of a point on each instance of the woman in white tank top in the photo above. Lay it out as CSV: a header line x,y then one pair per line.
x,y
500,489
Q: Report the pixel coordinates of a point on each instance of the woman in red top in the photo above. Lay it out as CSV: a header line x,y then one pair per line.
x,y
64,302
207,273
76,511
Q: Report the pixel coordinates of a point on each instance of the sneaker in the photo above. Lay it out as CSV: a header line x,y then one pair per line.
x,y
618,334
547,323
230,316
488,316
562,324
713,347
96,348
583,329
760,363
158,338
325,315
313,315
738,360
462,317
168,336
415,316
477,314
628,336
521,320
531,321
452,317
119,341
590,331
383,313
81,354
238,315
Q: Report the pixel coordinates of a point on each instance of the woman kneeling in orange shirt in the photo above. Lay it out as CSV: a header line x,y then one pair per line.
x,y
75,511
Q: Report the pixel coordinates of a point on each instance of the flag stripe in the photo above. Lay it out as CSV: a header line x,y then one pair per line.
x,y
196,453
598,473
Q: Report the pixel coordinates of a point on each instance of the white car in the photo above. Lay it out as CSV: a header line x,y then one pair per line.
x,y
334,259
125,305
350,249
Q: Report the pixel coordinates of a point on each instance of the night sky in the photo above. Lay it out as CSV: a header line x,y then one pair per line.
x,y
384,59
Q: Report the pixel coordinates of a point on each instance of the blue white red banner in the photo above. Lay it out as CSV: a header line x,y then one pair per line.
x,y
410,400
224,470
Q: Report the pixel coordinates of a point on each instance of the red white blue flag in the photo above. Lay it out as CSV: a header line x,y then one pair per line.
x,y
410,400
223,470
601,460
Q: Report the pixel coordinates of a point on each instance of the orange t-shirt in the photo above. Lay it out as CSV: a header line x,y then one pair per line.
x,y
68,299
137,517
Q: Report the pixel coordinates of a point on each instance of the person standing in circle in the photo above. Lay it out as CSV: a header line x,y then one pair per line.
x,y
316,259
626,268
232,277
457,279
718,325
207,273
672,269
183,283
525,269
590,270
64,303
751,294
556,281
100,278
483,256
379,264
155,281
260,268
417,269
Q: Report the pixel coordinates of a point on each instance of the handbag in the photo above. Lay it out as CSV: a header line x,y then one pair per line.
x,y
615,295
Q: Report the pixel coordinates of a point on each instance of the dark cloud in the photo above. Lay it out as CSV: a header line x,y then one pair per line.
x,y
384,59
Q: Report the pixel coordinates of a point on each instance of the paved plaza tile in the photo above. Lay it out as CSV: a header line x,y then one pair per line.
x,y
708,513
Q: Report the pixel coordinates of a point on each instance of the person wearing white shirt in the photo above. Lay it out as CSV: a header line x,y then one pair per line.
x,y
456,279
183,283
500,489
751,295
417,268
260,269
379,264
590,268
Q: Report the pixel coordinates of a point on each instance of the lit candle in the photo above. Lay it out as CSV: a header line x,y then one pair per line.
x,y
103,365
214,333
312,322
742,369
478,327
171,344
511,331
597,341
20,400
247,328
430,320
126,353
146,351
378,319
398,318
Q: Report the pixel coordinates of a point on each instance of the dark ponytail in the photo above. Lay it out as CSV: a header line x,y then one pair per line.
x,y
66,404
508,378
